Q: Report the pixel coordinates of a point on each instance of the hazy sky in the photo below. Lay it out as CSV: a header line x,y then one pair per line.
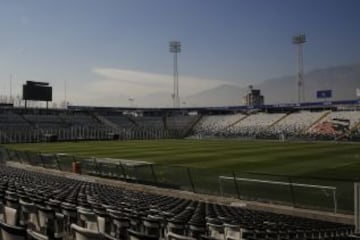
x,y
108,50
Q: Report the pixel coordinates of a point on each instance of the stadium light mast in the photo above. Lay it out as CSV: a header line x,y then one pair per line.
x,y
10,89
299,41
175,47
131,101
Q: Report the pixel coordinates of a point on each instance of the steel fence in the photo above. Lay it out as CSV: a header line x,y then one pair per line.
x,y
289,190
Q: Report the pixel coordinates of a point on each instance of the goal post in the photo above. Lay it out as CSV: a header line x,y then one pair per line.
x,y
357,207
291,185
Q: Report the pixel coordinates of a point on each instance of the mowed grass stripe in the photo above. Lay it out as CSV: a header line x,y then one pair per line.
x,y
110,149
171,145
89,148
291,158
266,156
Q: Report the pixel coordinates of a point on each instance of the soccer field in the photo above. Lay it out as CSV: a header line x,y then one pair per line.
x,y
318,159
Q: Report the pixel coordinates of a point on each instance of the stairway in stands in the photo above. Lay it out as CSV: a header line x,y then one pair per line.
x,y
105,121
317,121
357,126
234,123
189,131
279,120
27,120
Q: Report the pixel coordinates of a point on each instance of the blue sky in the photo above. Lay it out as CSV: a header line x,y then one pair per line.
x,y
99,46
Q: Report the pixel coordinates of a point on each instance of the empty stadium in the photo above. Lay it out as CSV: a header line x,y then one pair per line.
x,y
267,158
179,120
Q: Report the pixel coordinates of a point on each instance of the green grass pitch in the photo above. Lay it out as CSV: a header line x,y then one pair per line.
x,y
319,159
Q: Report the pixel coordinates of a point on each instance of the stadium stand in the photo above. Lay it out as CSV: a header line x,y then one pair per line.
x,y
120,121
34,125
254,124
212,125
80,119
149,122
43,206
296,123
322,125
180,122
352,116
12,120
44,120
181,125
337,124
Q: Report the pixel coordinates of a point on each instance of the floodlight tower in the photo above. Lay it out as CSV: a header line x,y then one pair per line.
x,y
299,41
175,47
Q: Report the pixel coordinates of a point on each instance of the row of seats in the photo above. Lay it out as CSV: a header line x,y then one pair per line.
x,y
337,124
13,120
45,121
211,125
31,127
41,206
313,124
150,122
181,123
298,124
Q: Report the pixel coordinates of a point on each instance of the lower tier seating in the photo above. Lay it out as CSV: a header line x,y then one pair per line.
x,y
41,206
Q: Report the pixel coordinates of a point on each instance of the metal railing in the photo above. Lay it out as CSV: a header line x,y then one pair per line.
x,y
290,184
297,191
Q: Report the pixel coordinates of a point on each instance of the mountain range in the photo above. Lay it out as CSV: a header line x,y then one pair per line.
x,y
342,80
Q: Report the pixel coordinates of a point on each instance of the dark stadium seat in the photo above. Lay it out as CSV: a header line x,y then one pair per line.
x,y
87,219
54,207
34,235
29,214
174,236
216,230
354,237
232,231
70,213
109,237
85,234
152,226
135,235
51,223
175,226
11,232
11,215
120,223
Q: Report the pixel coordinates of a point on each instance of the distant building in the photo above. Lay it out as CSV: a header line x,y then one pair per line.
x,y
253,97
